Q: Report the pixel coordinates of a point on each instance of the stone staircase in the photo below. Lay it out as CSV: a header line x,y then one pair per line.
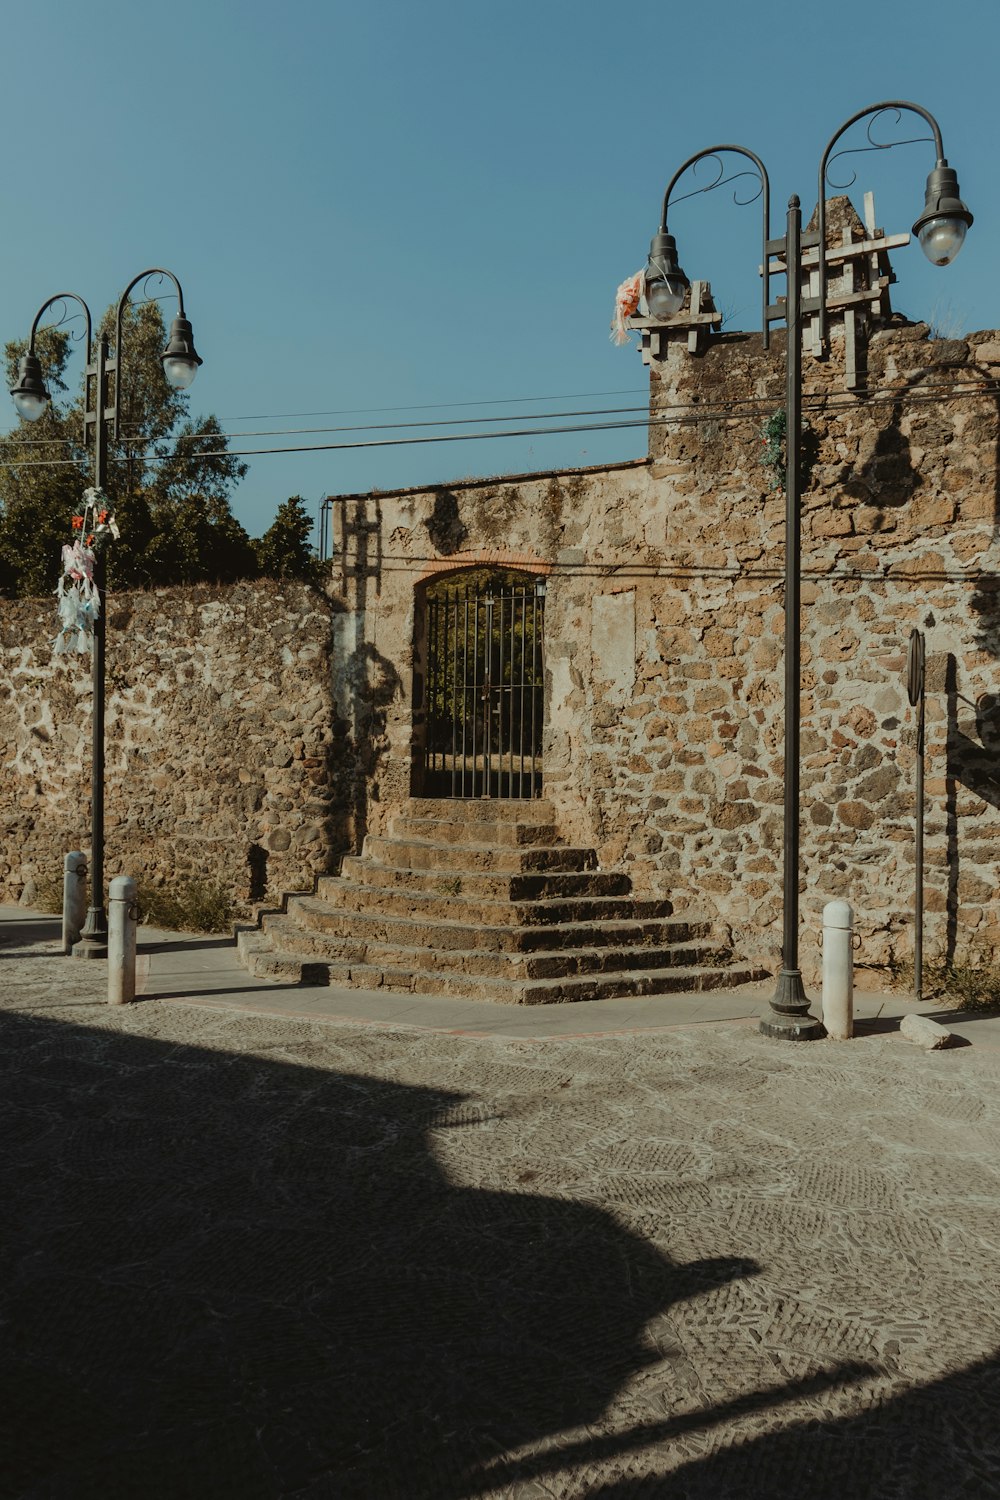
x,y
481,900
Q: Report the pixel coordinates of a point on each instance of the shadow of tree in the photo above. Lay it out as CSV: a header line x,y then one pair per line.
x,y
973,745
887,478
367,681
249,1276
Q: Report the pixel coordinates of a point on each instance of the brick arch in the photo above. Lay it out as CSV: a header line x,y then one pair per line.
x,y
486,557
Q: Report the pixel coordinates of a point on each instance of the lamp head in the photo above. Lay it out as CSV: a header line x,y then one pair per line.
x,y
30,395
942,225
180,358
666,283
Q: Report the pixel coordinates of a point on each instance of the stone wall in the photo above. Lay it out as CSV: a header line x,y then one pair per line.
x,y
256,733
664,637
225,759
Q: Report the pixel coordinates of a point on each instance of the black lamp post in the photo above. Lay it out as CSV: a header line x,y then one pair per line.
x,y
101,406
941,231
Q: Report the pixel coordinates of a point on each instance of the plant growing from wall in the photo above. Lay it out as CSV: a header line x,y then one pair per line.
x,y
774,440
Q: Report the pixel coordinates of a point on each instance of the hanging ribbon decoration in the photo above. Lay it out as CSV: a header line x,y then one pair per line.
x,y
78,595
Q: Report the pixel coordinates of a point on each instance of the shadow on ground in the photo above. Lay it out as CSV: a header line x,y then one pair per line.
x,y
248,1276
24,932
232,1275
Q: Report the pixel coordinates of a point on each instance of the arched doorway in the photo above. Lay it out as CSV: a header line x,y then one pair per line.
x,y
478,684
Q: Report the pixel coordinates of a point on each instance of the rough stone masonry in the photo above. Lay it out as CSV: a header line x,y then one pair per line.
x,y
257,732
222,752
664,625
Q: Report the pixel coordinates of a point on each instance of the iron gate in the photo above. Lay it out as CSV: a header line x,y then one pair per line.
x,y
484,697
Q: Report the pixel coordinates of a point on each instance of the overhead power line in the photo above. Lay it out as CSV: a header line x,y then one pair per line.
x,y
691,416
356,411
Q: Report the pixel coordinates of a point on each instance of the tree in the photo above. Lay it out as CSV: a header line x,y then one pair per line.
x,y
285,550
40,479
171,503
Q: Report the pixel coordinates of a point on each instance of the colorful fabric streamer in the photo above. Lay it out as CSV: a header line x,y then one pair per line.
x,y
79,600
627,300
78,594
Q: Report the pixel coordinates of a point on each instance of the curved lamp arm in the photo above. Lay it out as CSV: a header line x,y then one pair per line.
x,y
30,393
180,352
941,193
765,193
62,297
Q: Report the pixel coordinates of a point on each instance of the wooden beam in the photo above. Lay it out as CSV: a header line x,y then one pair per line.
x,y
836,253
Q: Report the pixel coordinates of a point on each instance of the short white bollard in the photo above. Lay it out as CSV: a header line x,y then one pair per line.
x,y
122,915
74,898
838,970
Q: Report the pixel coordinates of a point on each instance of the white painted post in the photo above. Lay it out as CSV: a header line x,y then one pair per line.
x,y
121,940
74,911
838,970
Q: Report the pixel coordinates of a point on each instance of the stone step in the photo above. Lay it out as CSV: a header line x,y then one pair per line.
x,y
350,895
426,854
500,831
285,935
565,950
480,809
409,932
499,886
299,968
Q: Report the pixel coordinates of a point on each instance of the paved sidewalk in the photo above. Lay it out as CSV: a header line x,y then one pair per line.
x,y
182,966
255,1253
206,970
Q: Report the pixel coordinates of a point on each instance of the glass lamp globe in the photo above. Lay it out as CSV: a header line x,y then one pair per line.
x,y
179,371
664,296
942,238
29,405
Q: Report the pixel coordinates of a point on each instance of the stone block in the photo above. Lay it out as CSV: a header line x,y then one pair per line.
x,y
925,1032
855,815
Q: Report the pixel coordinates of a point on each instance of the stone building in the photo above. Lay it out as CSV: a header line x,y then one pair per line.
x,y
257,734
664,626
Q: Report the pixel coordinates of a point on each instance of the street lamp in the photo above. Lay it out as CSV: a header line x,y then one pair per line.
x,y
941,231
102,405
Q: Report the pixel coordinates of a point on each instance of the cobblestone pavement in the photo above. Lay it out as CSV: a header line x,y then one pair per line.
x,y
266,1256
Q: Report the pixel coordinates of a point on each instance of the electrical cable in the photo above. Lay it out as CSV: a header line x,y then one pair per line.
x,y
695,415
355,411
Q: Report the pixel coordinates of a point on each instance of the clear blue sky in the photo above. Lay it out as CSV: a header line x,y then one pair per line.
x,y
388,204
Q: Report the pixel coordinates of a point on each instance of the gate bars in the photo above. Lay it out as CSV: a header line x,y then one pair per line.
x,y
484,706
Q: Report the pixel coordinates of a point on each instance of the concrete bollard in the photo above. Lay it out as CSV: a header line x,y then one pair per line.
x,y
122,916
74,912
838,970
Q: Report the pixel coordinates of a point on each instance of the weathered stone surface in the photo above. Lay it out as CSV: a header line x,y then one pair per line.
x,y
218,700
663,665
746,1269
439,908
925,1032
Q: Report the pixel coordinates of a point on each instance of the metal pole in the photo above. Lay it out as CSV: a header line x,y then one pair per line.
x,y
915,693
789,1017
918,936
94,938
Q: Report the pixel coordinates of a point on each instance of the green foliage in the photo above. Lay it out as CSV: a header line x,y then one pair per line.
x,y
774,441
772,437
186,905
468,650
172,506
285,549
